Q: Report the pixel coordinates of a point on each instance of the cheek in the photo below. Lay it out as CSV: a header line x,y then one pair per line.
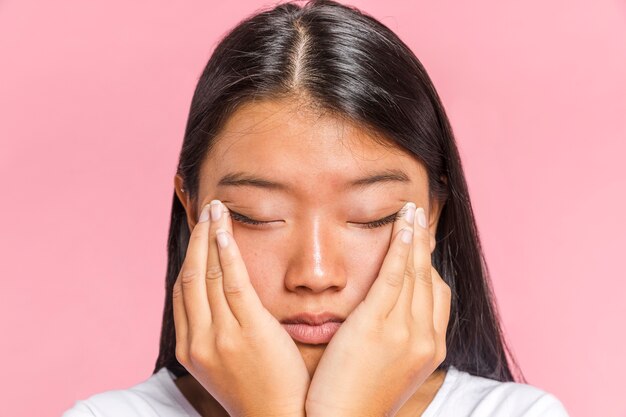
x,y
367,254
264,264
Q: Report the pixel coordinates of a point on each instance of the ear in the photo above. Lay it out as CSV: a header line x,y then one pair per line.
x,y
183,197
436,206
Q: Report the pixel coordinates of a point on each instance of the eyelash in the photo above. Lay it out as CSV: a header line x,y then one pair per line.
x,y
370,225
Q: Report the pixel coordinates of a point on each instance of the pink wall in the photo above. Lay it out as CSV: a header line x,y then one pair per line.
x,y
93,103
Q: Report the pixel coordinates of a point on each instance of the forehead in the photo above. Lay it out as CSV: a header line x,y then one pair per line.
x,y
299,146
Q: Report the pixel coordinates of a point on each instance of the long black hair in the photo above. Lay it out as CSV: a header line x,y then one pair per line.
x,y
338,59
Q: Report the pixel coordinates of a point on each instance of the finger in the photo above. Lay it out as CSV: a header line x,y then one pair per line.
x,y
386,289
191,277
220,311
241,296
180,317
422,306
441,304
402,308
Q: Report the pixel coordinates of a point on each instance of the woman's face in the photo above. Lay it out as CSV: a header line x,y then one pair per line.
x,y
313,255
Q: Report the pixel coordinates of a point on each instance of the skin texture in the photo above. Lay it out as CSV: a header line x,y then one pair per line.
x,y
313,256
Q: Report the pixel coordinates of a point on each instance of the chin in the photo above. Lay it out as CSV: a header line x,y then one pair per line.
x,y
311,354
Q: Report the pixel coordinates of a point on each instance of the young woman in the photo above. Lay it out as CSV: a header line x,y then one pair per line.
x,y
338,270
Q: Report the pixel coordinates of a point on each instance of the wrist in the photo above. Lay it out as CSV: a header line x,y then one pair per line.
x,y
275,413
318,410
314,409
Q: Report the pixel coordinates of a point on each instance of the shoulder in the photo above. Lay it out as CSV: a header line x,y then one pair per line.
x,y
156,396
463,394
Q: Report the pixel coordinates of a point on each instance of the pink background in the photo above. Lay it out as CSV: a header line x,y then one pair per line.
x,y
93,103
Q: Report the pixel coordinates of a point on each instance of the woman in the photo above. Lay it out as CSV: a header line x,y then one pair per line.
x,y
338,271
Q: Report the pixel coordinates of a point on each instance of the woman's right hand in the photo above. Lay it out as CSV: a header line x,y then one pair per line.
x,y
225,337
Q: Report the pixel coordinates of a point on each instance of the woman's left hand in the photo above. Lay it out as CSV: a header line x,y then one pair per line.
x,y
392,341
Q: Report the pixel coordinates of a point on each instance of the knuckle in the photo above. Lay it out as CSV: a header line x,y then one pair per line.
x,y
177,290
401,336
198,352
233,289
394,279
181,355
188,275
225,344
214,272
423,273
409,272
425,350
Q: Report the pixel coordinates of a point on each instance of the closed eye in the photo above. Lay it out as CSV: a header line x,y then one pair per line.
x,y
369,225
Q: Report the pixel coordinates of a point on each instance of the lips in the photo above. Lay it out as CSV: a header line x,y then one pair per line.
x,y
312,334
311,328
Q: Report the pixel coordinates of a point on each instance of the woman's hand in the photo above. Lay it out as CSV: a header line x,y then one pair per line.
x,y
225,338
393,341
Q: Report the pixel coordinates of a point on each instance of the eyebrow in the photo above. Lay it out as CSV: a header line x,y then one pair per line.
x,y
243,179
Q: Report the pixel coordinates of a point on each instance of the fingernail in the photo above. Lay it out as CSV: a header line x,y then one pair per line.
x,y
204,214
216,210
421,217
410,212
222,238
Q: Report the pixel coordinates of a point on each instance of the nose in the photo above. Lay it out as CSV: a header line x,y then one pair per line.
x,y
316,261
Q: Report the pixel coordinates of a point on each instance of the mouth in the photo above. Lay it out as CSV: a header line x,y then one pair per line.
x,y
312,328
312,334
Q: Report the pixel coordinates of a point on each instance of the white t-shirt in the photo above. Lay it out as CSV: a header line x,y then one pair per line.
x,y
460,395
